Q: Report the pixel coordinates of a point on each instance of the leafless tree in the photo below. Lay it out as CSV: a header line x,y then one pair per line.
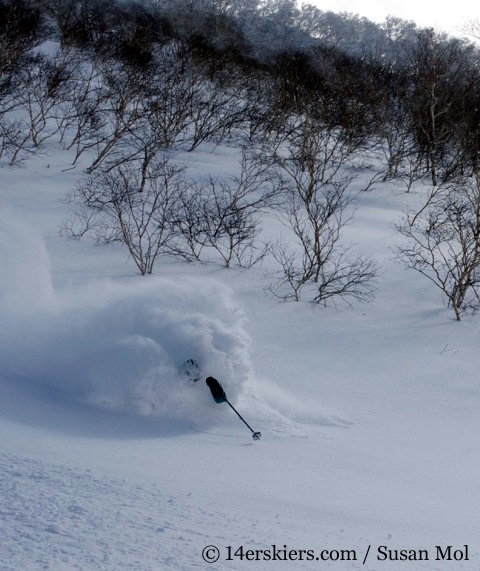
x,y
440,69
20,32
310,164
317,255
216,109
396,145
120,112
127,113
43,85
471,27
78,115
222,214
443,242
114,206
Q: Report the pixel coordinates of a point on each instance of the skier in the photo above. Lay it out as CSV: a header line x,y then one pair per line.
x,y
193,372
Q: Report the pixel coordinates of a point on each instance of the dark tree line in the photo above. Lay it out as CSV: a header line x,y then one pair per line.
x,y
415,93
310,94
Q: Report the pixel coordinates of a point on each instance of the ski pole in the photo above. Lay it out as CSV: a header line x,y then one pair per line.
x,y
255,435
219,396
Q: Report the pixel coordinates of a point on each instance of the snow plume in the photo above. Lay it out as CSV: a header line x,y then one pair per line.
x,y
306,411
25,278
120,345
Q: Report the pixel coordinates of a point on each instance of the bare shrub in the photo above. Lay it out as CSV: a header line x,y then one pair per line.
x,y
122,205
443,242
310,163
223,215
317,255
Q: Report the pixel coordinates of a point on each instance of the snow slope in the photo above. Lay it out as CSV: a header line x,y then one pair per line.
x,y
109,461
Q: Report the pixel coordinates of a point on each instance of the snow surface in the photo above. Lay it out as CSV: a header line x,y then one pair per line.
x,y
109,461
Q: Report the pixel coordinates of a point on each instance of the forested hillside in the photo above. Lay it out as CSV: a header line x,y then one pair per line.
x,y
313,98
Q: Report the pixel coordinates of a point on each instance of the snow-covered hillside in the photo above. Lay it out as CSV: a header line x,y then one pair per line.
x,y
111,461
